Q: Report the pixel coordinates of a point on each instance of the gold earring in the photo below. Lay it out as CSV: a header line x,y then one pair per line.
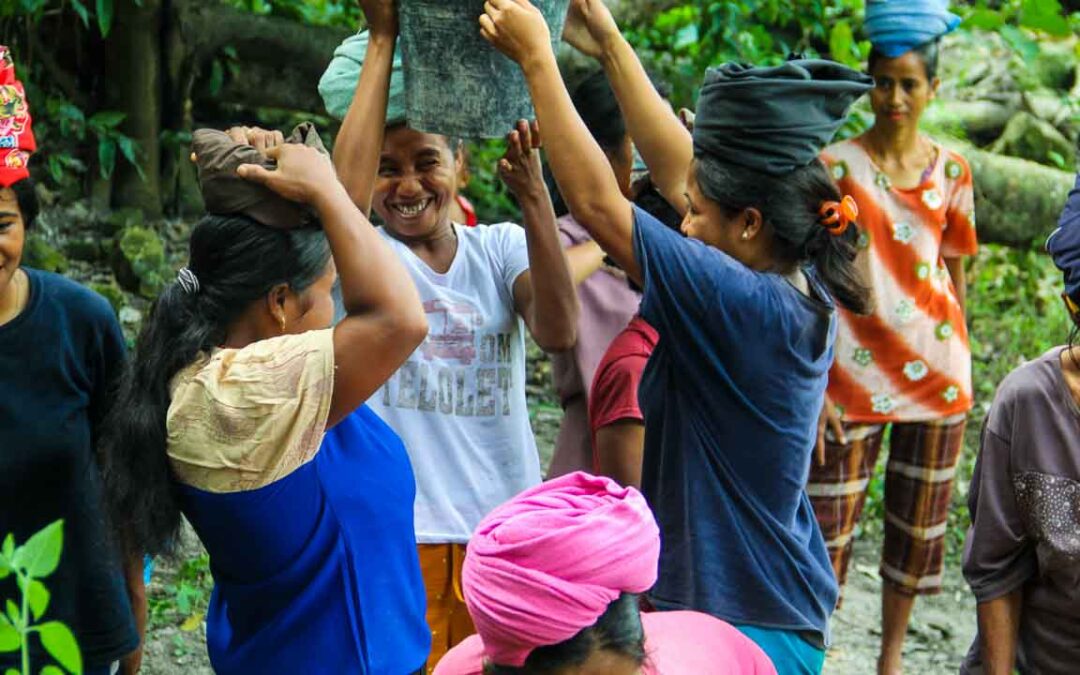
x,y
281,320
745,235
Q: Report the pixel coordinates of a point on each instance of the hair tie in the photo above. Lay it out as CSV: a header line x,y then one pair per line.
x,y
188,281
837,216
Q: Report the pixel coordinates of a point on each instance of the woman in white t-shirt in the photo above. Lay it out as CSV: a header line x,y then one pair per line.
x,y
459,401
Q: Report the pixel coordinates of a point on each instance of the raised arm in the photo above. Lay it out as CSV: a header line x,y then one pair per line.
x,y
359,143
544,295
659,135
585,178
384,319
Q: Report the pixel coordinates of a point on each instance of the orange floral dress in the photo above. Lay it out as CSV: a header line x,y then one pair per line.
x,y
910,359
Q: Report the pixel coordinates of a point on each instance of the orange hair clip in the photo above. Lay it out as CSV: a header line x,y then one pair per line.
x,y
837,216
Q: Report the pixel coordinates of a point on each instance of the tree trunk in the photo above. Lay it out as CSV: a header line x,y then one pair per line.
x,y
1017,202
279,62
980,121
133,86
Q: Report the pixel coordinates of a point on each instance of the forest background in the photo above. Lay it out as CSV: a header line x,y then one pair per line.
x,y
116,87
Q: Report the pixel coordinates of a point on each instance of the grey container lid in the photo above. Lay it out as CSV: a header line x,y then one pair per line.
x,y
456,84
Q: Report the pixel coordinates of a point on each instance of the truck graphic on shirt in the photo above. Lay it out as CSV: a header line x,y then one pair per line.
x,y
452,330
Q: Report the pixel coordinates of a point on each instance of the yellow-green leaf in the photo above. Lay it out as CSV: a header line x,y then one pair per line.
x,y
842,42
192,622
9,638
13,613
39,599
61,645
51,670
41,553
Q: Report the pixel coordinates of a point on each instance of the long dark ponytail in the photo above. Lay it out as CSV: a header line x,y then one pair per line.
x,y
790,206
236,262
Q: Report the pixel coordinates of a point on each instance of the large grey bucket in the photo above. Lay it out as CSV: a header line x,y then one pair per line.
x,y
456,84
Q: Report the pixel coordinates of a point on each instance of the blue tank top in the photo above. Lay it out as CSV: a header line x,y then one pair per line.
x,y
318,571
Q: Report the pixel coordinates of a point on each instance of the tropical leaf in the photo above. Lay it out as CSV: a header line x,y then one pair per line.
x,y
10,640
107,119
40,555
39,598
61,645
107,156
82,11
104,16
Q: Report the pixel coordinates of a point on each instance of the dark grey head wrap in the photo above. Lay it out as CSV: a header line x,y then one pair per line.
x,y
217,157
774,120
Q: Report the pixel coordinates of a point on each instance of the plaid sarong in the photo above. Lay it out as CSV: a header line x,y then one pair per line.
x,y
918,489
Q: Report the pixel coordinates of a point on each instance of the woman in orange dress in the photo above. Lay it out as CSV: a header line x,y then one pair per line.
x,y
908,364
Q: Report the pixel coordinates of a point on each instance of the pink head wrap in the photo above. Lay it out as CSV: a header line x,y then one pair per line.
x,y
545,565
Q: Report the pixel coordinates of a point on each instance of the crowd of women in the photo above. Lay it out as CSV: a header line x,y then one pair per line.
x,y
339,410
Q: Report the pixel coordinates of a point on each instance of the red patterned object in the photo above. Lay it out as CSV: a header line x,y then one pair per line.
x,y
16,134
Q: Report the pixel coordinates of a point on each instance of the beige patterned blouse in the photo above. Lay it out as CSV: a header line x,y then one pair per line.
x,y
241,419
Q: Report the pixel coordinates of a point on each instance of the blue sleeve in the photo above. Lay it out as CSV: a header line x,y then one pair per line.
x,y
692,287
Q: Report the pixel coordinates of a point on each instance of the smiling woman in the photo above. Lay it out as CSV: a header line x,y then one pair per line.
x,y
416,184
459,401
60,350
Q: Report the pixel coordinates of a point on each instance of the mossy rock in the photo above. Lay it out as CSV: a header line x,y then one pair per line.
x,y
121,219
139,261
1056,66
38,254
112,292
1029,137
87,249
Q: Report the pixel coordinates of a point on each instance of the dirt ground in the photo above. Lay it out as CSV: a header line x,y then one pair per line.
x,y
941,631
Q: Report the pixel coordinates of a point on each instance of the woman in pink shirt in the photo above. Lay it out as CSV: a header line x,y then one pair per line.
x,y
551,581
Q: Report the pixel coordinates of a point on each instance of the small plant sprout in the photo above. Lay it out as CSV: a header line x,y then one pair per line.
x,y
30,563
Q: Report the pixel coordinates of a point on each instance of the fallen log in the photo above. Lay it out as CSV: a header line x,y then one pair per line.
x,y
1017,202
981,121
278,61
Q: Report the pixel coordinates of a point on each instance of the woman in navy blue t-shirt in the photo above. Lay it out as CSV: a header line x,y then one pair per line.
x,y
743,306
60,350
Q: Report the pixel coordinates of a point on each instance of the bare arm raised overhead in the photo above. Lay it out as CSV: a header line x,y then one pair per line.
x,y
359,143
544,296
384,319
582,171
660,136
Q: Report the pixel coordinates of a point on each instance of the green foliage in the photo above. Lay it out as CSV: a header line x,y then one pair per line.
x,y
184,599
142,267
39,254
111,292
30,563
343,13
684,40
66,133
688,37
487,193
